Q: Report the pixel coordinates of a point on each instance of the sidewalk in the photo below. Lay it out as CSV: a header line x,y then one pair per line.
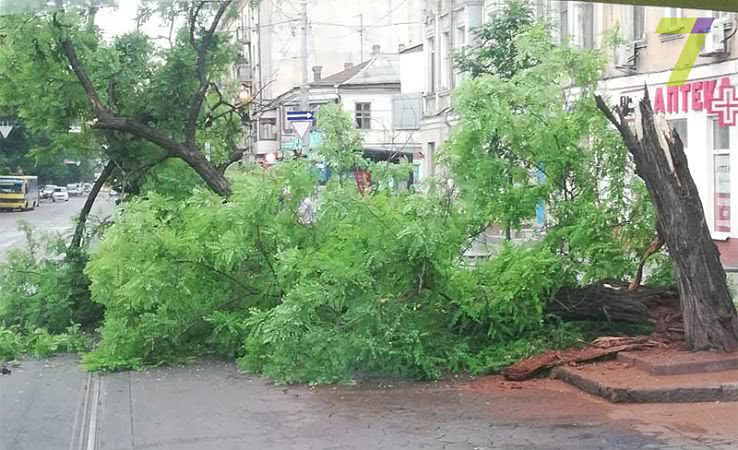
x,y
40,404
210,405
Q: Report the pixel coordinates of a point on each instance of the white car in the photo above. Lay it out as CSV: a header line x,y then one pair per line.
x,y
74,190
47,192
60,195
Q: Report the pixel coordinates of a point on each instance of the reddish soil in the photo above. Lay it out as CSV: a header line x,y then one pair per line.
x,y
544,400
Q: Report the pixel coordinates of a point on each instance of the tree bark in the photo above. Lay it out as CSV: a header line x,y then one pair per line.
x,y
710,318
614,302
79,230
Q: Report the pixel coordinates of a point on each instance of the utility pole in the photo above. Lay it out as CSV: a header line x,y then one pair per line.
x,y
304,97
304,56
361,36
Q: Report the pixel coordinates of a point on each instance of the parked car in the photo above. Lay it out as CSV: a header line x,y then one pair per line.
x,y
74,190
47,192
87,188
60,195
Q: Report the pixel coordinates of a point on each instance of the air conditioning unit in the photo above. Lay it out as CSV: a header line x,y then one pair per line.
x,y
715,39
625,55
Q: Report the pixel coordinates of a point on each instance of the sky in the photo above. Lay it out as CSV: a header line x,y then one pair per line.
x,y
122,19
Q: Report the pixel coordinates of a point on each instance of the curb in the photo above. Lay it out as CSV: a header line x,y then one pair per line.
x,y
717,393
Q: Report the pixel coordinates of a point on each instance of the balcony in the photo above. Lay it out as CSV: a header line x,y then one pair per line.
x,y
435,103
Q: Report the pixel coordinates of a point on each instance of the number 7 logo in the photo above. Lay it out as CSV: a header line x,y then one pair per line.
x,y
697,29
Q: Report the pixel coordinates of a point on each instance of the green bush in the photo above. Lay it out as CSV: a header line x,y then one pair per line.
x,y
39,343
41,286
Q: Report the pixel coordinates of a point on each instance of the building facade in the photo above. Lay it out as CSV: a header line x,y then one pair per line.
x,y
387,118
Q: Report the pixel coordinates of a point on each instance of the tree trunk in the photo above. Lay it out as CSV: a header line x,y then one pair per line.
x,y
614,302
79,230
710,318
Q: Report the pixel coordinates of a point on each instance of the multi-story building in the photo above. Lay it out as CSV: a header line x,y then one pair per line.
x,y
277,46
338,32
704,110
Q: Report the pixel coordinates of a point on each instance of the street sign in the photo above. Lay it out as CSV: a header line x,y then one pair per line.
x,y
5,130
301,127
300,116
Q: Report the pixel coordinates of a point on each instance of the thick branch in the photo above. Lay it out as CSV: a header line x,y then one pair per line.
x,y
84,80
202,52
82,221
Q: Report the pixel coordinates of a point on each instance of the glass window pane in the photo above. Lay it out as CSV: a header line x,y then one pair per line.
x,y
722,193
720,136
680,126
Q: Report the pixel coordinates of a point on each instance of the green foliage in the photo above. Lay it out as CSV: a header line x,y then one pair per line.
x,y
39,343
374,286
495,52
342,143
39,288
524,141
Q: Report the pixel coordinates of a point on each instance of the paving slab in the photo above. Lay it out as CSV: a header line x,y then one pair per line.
x,y
40,405
619,382
669,362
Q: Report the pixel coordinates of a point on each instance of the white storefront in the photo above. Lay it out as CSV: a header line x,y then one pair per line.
x,y
704,111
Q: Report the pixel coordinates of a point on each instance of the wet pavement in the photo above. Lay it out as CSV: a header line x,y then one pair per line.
x,y
49,217
39,405
210,405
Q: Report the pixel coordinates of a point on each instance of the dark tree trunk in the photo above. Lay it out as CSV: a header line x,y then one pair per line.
x,y
79,230
710,318
658,307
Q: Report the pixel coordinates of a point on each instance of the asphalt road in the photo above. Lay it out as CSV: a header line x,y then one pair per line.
x,y
49,217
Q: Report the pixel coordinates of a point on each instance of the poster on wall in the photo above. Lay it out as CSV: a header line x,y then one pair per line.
x,y
722,193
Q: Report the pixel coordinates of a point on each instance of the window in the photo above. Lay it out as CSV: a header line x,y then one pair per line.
x,y
460,44
680,125
407,110
585,25
268,129
564,22
673,13
720,136
541,10
460,39
721,175
432,66
430,157
445,66
363,116
639,23
721,14
675,28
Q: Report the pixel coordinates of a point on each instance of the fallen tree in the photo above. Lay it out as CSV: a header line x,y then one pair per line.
x,y
615,302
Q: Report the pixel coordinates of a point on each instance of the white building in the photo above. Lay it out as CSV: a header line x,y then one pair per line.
x,y
371,91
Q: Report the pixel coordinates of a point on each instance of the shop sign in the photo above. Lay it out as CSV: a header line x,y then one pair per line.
x,y
716,97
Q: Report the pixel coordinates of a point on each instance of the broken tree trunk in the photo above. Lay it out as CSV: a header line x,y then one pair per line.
x,y
710,318
614,302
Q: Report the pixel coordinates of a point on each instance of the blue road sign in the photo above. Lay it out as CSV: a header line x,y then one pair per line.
x,y
300,116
